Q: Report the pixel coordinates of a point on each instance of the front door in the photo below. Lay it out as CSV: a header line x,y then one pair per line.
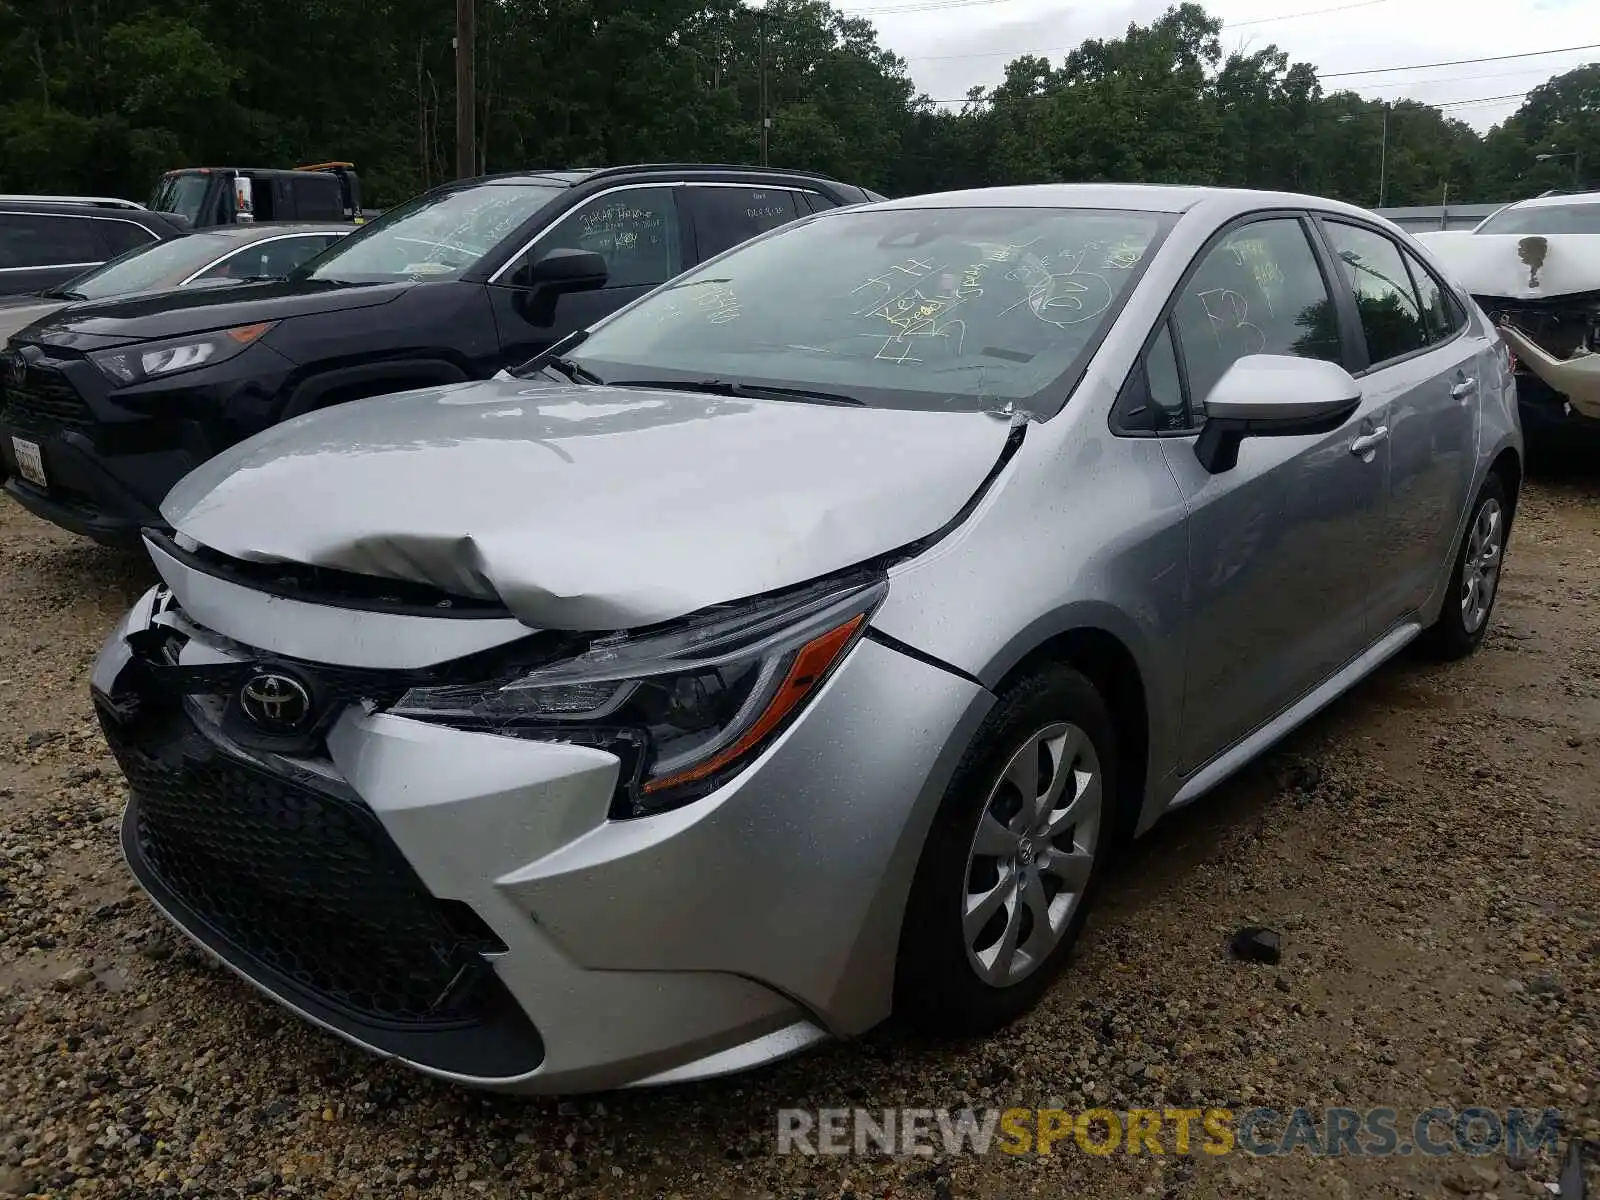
x,y
1425,365
1277,578
636,229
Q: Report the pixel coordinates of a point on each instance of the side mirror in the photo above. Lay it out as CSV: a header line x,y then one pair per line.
x,y
1273,395
543,282
569,270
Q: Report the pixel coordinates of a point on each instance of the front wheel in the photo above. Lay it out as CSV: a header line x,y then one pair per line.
x,y
1003,885
1475,579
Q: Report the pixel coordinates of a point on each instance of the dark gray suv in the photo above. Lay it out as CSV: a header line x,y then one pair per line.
x,y
46,240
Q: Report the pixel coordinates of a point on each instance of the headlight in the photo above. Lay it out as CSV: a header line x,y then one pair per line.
x,y
684,707
135,364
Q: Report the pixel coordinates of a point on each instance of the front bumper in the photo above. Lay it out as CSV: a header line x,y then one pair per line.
x,y
111,455
591,953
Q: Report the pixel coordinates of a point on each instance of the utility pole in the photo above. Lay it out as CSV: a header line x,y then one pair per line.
x,y
761,22
466,88
1383,158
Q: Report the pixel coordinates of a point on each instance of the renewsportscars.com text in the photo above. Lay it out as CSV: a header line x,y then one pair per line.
x,y
1332,1132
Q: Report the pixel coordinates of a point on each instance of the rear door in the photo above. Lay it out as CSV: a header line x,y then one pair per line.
x,y
725,214
40,250
1422,365
636,228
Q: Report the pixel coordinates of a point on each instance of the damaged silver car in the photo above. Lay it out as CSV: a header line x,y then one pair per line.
x,y
1534,267
796,646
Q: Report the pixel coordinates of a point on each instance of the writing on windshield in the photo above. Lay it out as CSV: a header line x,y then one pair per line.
x,y
434,237
968,307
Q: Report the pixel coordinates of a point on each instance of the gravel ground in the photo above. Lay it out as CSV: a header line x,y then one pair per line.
x,y
1428,849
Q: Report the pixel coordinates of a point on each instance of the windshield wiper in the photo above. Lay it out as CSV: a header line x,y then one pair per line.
x,y
748,391
62,294
553,355
571,369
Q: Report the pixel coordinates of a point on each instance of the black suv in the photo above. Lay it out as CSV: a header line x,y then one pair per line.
x,y
105,406
46,240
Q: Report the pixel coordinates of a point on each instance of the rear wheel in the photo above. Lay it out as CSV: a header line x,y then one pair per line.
x,y
1475,579
1005,878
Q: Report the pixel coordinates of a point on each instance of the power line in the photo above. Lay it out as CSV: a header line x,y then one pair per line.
x,y
1481,100
1315,12
1409,83
1456,62
1429,104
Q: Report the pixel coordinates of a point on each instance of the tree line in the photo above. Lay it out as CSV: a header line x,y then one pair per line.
x,y
102,97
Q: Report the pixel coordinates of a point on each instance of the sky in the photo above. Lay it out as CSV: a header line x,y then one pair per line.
x,y
951,45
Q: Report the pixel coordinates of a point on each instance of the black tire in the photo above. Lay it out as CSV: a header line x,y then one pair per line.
x,y
938,990
1449,637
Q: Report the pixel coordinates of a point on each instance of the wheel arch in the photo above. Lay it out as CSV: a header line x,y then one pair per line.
x,y
1109,663
1507,465
336,385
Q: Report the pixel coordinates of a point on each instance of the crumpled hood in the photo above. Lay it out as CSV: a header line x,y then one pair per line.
x,y
588,508
1518,266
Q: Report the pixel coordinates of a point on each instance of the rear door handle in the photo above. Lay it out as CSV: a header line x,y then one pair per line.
x,y
1364,445
1463,388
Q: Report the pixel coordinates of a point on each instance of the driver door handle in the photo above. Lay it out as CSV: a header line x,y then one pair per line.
x,y
1364,445
1462,388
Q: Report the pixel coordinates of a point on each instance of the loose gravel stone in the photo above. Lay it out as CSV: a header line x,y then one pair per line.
x,y
1428,847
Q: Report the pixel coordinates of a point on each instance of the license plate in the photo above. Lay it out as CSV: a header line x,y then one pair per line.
x,y
30,463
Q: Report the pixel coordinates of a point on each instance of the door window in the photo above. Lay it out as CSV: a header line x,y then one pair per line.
x,y
726,216
42,240
634,230
1443,315
817,201
1391,314
1258,291
118,237
1152,399
270,260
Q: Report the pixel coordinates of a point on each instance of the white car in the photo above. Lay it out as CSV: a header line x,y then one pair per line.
x,y
1534,267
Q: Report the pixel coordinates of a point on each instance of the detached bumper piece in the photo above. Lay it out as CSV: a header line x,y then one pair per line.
x,y
297,886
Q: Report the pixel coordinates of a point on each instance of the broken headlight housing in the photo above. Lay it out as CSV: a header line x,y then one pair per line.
x,y
684,706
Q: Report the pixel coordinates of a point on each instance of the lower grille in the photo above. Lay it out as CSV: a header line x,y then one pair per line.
x,y
301,882
45,401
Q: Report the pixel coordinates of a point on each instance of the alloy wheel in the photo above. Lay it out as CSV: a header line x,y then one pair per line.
x,y
1032,854
1480,569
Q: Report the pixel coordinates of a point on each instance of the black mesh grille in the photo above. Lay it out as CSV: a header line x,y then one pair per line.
x,y
304,883
44,400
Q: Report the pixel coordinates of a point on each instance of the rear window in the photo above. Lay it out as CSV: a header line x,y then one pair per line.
x,y
163,264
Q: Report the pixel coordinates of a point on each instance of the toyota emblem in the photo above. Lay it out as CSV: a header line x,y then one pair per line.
x,y
276,703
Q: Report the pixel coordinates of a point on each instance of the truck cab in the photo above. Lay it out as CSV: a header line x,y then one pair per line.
x,y
208,196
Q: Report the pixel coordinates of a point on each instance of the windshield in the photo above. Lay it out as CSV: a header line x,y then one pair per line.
x,y
182,194
432,237
1546,219
157,265
954,308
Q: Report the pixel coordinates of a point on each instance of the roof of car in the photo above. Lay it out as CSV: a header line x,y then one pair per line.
x,y
571,177
266,229
1561,199
75,201
1137,197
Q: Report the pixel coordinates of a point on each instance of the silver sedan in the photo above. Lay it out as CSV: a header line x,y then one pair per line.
x,y
794,646
221,255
